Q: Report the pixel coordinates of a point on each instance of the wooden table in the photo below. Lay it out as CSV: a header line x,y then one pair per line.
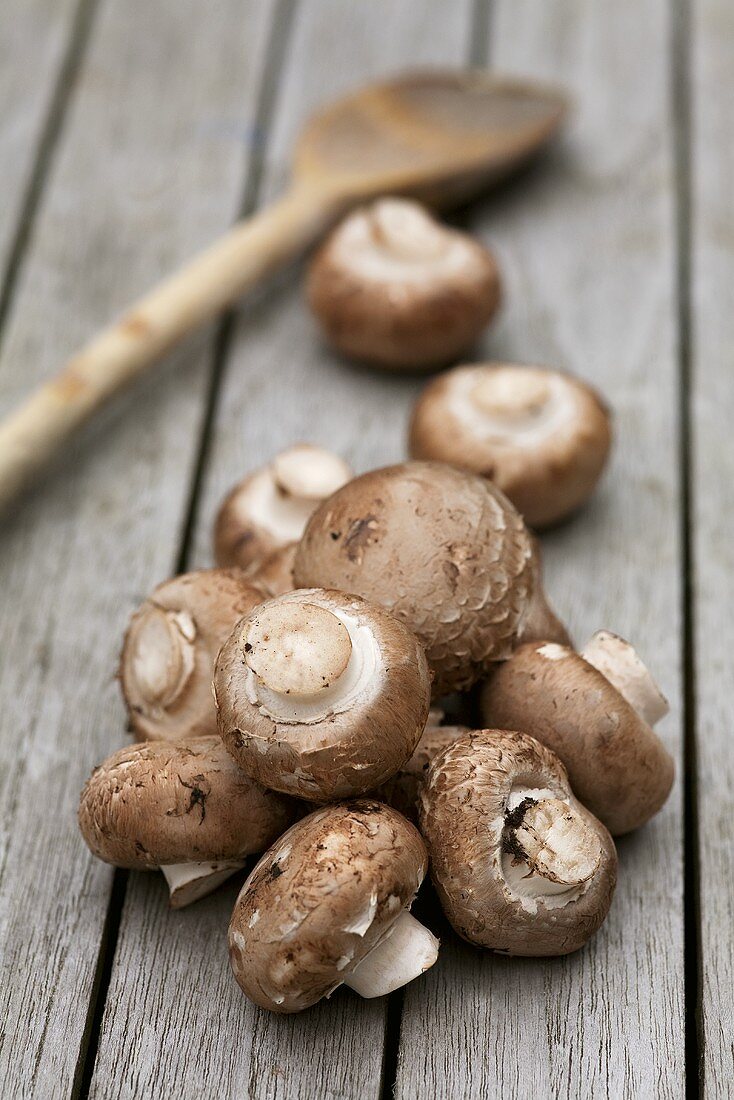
x,y
130,135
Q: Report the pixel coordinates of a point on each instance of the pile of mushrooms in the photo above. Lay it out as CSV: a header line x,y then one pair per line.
x,y
287,703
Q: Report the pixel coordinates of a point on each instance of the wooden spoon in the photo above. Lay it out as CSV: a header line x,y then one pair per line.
x,y
439,135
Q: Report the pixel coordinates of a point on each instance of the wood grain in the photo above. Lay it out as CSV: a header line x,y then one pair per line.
x,y
279,387
712,369
148,169
587,245
37,36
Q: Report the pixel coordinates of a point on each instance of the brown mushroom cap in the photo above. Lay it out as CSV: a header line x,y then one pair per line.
x,y
442,549
170,647
502,826
541,622
403,789
541,435
618,766
320,900
320,694
159,803
275,573
395,288
268,509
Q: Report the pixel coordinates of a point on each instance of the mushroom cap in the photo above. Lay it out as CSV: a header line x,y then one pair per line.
x,y
442,549
157,803
541,622
467,819
275,573
617,765
268,509
343,735
320,899
402,790
394,287
543,436
170,647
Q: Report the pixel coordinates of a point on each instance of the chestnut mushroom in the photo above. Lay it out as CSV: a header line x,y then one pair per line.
x,y
520,866
403,789
541,435
274,574
170,648
185,807
328,905
393,287
269,508
595,710
321,695
442,549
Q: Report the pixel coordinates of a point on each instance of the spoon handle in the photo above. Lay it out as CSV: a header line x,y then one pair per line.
x,y
210,282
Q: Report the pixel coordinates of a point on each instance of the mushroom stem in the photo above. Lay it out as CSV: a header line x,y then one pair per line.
x,y
404,953
188,882
617,660
553,841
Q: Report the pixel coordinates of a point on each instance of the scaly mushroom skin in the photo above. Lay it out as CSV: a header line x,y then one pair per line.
x,y
440,548
541,435
321,695
161,803
519,864
393,287
618,766
268,509
170,647
403,789
328,904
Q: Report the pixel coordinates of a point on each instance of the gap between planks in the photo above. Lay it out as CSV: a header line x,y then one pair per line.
x,y
266,101
682,131
71,62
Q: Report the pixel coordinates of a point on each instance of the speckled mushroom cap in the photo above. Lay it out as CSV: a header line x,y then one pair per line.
x,y
320,899
321,695
541,622
618,766
159,803
541,435
442,549
268,509
403,789
395,288
519,864
170,647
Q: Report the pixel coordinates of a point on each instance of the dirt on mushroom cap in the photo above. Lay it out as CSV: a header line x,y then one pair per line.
x,y
618,766
160,802
463,809
320,899
442,549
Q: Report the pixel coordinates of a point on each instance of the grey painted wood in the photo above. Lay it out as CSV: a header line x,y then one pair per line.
x,y
182,1017
35,37
149,168
712,273
587,243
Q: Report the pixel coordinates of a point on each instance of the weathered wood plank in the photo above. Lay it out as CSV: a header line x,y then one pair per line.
x,y
712,367
149,169
280,386
587,244
36,37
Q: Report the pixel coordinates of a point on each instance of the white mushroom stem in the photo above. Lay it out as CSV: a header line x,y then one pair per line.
x,y
511,394
549,850
619,663
406,951
309,473
188,882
